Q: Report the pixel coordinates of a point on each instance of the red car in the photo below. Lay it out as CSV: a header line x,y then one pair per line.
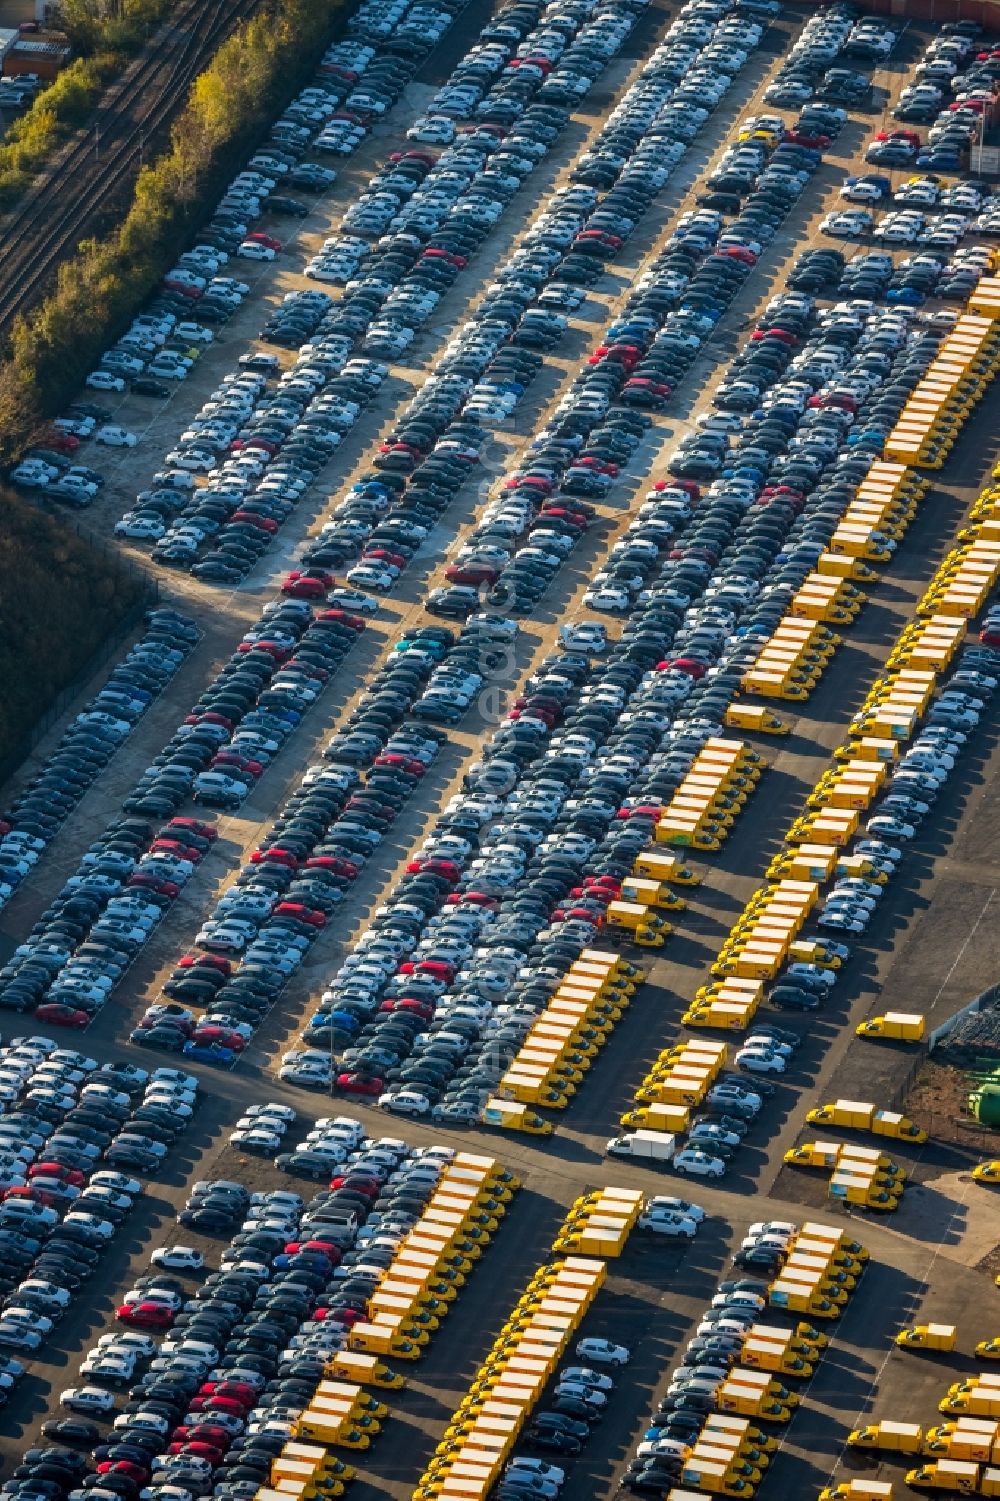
x,y
262,239
439,968
175,848
353,622
575,518
690,665
402,763
600,894
262,523
230,1387
70,1175
62,1016
385,555
346,1316
407,1003
579,914
474,574
32,1194
212,1452
301,913
219,1037
814,141
206,961
359,1084
204,1433
474,898
325,1248
436,866
124,1467
366,1183
304,586
990,635
195,826
154,883
276,649
275,856
210,717
241,763
145,1315
335,863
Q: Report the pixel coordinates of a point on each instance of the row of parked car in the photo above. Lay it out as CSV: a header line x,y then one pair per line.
x,y
954,127
953,63
679,1419
835,31
306,862
321,840
377,1067
360,528
875,276
88,744
237,432
67,1130
383,46
387,546
451,702
84,942
211,1405
125,883
304,421
839,387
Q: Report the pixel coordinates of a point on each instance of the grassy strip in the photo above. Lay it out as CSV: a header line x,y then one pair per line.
x,y
59,600
230,106
106,44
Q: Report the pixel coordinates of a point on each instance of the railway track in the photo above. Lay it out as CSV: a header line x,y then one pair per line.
x,y
53,216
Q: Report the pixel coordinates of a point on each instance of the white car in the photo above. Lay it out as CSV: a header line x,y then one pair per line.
x,y
404,1102
847,226
33,476
104,380
90,1399
273,1111
587,636
253,250
178,1258
106,1178
773,1227
353,599
757,1061
194,333
665,1223
115,437
698,1164
141,528
674,1205
256,1139
862,192
602,1352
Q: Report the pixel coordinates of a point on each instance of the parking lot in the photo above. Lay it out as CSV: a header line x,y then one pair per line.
x,y
494,769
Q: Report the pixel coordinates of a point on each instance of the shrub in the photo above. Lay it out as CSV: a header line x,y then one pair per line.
x,y
59,599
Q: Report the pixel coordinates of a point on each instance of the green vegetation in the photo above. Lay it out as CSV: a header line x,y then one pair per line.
x,y
59,599
105,35
230,106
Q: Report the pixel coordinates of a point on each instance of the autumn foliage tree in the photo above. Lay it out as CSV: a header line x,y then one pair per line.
x,y
99,291
105,33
